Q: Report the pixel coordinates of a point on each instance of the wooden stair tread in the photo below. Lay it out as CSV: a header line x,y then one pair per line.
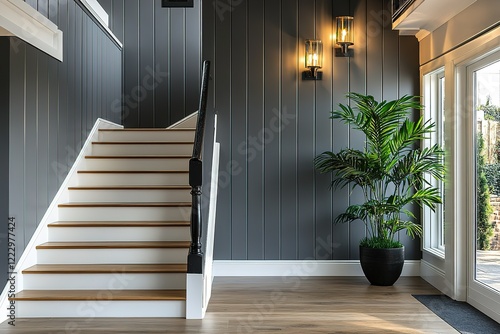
x,y
147,129
70,295
145,156
124,205
119,223
133,171
141,142
129,187
105,268
114,244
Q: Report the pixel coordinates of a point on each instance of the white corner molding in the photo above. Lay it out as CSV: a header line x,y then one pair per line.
x,y
424,16
19,19
301,268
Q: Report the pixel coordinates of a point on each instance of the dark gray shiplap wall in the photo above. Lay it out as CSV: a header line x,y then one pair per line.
x,y
272,204
4,150
53,107
161,60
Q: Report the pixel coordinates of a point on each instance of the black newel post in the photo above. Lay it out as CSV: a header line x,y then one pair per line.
x,y
195,257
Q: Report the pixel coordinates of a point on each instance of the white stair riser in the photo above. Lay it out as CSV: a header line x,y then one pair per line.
x,y
112,256
90,309
170,136
82,234
188,123
125,214
129,196
113,281
137,164
123,179
142,149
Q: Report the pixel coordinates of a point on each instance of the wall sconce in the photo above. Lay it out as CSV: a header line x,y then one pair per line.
x,y
313,60
345,36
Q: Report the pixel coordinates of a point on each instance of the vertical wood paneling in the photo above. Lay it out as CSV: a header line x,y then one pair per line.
x,y
77,71
254,147
162,60
4,151
239,129
305,147
323,135
131,63
42,140
71,80
30,148
287,206
271,138
48,114
17,139
193,58
178,40
146,59
357,83
222,87
288,129
340,233
408,82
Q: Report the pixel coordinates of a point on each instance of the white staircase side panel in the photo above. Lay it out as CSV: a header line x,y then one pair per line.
x,y
124,213
199,286
129,195
113,281
112,256
29,256
133,179
209,250
147,135
128,164
142,149
97,234
187,122
194,296
101,308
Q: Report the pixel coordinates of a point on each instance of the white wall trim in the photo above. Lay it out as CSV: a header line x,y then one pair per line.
x,y
435,276
300,268
96,9
23,21
29,256
101,16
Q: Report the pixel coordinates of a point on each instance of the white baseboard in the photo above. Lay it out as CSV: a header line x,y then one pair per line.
x,y
435,276
300,268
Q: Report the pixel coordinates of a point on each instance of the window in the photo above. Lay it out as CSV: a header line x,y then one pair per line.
x,y
434,98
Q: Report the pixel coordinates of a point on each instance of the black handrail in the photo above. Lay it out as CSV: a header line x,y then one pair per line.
x,y
195,257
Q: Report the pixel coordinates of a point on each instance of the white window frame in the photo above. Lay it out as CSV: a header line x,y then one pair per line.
x,y
433,221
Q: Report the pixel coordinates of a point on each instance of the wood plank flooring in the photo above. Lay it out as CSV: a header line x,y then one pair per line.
x,y
279,305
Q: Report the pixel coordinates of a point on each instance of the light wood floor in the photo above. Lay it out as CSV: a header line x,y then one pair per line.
x,y
279,305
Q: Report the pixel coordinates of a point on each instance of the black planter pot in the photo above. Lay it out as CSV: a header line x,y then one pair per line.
x,y
382,266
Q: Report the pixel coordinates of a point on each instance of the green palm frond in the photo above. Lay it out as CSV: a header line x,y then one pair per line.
x,y
392,171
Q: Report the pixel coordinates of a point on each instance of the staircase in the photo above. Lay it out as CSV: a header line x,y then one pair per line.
x,y
121,242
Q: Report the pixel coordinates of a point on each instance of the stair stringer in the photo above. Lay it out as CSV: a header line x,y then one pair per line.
x,y
187,122
29,256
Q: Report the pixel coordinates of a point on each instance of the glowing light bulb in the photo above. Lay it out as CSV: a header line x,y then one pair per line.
x,y
343,35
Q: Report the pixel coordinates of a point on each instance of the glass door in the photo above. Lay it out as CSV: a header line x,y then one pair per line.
x,y
484,231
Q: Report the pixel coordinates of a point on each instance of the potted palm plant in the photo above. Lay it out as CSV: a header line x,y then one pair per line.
x,y
393,173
